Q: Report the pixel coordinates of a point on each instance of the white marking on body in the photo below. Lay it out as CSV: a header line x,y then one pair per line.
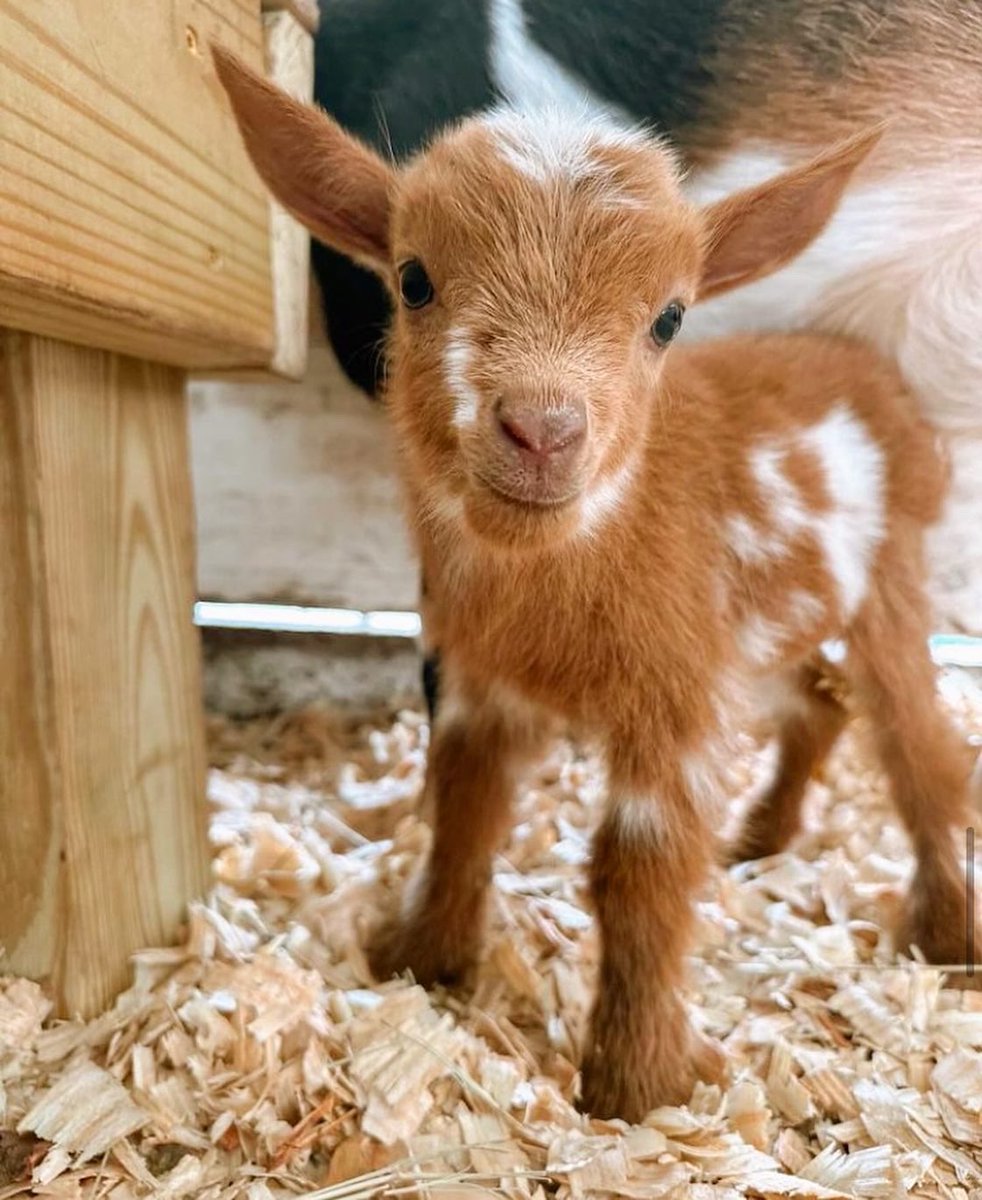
x,y
759,640
457,358
908,243
788,512
702,773
834,650
529,77
854,527
637,818
750,544
606,498
805,611
570,121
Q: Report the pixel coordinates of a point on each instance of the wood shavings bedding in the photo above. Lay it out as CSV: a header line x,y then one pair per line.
x,y
259,1059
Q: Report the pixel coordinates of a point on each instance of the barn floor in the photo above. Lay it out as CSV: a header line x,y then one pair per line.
x,y
259,1060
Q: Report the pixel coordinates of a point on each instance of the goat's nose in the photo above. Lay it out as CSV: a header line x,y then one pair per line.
x,y
541,431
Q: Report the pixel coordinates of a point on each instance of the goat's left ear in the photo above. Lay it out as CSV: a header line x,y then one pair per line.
x,y
754,232
336,186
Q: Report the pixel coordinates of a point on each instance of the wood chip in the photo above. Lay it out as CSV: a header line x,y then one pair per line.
x,y
259,1060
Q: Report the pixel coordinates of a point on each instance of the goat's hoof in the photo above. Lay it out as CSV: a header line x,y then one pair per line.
x,y
414,946
629,1080
760,836
937,927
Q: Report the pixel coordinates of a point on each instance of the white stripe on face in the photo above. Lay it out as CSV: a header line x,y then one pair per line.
x,y
457,359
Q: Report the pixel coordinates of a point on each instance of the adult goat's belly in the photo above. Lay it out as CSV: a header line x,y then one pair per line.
x,y
899,265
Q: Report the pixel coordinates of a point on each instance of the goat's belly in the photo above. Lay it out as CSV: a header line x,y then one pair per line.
x,y
899,265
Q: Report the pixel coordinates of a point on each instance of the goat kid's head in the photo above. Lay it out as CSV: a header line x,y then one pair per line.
x,y
540,266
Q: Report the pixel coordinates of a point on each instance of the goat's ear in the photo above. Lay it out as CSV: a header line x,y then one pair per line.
x,y
331,182
754,232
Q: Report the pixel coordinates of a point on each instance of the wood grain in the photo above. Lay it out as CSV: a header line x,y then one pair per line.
x,y
130,217
289,63
101,760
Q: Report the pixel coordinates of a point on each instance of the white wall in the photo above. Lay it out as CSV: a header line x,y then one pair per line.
x,y
297,495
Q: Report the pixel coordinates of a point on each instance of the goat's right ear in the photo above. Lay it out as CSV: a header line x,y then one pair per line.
x,y
331,182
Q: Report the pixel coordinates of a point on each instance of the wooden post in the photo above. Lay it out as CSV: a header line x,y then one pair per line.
x,y
102,839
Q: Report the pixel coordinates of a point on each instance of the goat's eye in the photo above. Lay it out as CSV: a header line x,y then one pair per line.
x,y
414,284
668,322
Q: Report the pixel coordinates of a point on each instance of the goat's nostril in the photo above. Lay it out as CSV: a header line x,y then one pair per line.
x,y
541,431
518,432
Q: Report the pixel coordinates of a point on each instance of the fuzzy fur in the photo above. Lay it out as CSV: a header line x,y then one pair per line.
x,y
596,582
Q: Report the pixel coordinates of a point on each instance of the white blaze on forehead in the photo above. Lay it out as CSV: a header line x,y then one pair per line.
x,y
853,528
457,359
555,143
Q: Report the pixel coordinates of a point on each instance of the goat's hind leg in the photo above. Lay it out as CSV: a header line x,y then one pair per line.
x,y
809,726
927,762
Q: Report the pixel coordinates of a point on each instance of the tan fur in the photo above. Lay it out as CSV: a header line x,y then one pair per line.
x,y
729,508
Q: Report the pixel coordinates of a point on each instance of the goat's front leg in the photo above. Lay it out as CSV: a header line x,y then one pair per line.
x,y
478,750
650,855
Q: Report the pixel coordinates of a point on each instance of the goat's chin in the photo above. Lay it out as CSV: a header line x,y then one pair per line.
x,y
517,524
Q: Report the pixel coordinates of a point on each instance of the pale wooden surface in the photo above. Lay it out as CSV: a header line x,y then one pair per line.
x,y
101,762
130,217
305,11
290,64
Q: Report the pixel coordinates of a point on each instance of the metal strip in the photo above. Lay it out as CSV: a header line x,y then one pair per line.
x,y
950,650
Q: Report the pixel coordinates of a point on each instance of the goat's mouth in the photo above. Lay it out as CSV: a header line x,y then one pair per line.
x,y
530,499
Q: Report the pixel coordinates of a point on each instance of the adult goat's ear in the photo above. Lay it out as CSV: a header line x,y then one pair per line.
x,y
331,182
754,232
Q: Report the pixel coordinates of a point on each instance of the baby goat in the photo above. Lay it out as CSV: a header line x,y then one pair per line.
x,y
621,536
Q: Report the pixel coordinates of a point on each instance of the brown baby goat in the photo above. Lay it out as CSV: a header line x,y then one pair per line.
x,y
621,537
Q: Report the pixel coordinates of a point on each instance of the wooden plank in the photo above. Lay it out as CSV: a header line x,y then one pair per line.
x,y
130,217
289,63
304,11
102,818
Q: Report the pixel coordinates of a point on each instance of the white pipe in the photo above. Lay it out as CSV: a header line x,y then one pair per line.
x,y
949,650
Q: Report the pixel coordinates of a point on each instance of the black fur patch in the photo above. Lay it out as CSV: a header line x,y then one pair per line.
x,y
393,72
431,682
653,58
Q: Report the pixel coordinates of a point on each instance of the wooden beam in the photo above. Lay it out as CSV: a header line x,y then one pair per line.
x,y
306,12
102,823
130,217
289,63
